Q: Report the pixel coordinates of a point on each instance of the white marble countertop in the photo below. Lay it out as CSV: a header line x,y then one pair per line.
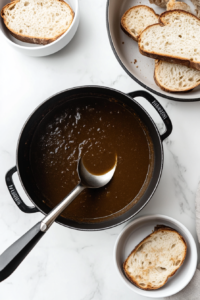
x,y
69,264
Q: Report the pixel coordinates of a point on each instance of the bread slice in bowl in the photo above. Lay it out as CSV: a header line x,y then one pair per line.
x,y
136,19
37,21
155,259
175,39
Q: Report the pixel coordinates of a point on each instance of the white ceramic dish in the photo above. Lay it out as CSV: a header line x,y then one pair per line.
x,y
41,50
126,50
134,233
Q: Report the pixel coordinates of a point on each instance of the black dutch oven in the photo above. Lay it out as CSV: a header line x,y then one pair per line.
x,y
23,148
15,254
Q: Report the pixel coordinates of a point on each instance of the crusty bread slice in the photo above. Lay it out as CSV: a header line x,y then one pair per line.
x,y
160,3
197,7
163,3
136,19
175,39
168,76
173,4
175,78
156,258
37,21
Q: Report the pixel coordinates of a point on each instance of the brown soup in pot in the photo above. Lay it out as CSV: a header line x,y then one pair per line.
x,y
97,130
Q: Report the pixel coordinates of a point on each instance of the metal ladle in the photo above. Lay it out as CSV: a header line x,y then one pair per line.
x,y
11,258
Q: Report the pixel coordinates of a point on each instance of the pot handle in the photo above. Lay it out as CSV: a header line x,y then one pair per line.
x,y
159,108
14,194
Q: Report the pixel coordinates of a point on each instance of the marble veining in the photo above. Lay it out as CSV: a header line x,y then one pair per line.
x,y
183,193
66,263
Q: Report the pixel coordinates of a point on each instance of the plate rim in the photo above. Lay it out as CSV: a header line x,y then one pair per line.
x,y
150,218
169,97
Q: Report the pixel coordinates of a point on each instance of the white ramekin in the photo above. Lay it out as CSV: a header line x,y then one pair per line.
x,y
41,50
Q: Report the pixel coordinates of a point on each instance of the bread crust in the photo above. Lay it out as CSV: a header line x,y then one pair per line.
x,y
164,88
32,39
125,28
127,33
156,229
168,58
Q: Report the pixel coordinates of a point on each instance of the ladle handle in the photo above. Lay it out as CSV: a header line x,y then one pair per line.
x,y
11,258
54,213
163,114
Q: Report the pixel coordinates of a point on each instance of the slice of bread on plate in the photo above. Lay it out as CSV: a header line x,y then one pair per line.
x,y
37,21
175,78
160,3
168,76
175,39
173,4
156,258
136,19
197,7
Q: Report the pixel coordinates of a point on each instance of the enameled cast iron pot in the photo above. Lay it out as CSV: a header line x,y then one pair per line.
x,y
23,149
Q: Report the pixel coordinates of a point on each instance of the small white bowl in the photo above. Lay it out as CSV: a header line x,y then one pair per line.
x,y
41,50
134,233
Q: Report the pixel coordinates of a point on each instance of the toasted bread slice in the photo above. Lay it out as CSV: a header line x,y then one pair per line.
x,y
175,78
168,76
173,4
136,19
37,21
197,7
156,258
163,3
160,3
175,39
